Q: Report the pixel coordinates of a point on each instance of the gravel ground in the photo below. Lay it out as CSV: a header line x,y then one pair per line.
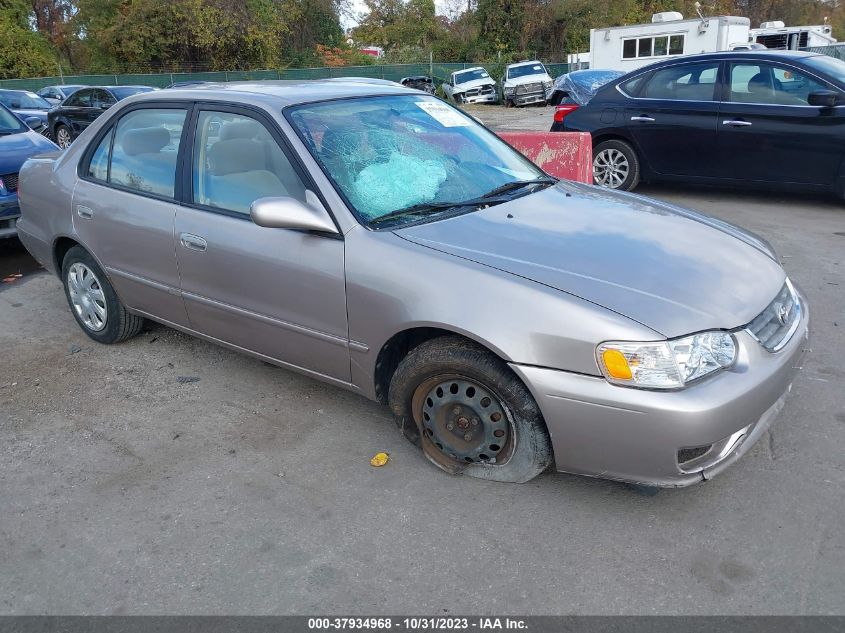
x,y
168,475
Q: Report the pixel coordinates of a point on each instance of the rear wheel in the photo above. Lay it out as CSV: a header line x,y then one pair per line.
x,y
63,138
93,301
469,412
615,165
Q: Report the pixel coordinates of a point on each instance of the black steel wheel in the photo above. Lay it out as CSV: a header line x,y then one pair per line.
x,y
469,412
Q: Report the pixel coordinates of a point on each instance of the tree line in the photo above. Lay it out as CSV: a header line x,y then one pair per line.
x,y
45,37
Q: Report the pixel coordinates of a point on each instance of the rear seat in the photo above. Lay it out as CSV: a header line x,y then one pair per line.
x,y
138,161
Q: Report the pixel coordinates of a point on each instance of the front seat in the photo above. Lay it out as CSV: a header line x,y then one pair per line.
x,y
238,175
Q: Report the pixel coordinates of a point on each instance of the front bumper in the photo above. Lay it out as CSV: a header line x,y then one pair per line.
x,y
491,97
528,99
634,435
9,214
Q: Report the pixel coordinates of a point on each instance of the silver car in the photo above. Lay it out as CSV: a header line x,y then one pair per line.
x,y
378,239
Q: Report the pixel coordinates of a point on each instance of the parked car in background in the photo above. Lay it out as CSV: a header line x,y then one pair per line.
x,y
525,83
579,86
17,143
187,84
54,95
27,105
83,107
379,239
472,85
758,118
419,82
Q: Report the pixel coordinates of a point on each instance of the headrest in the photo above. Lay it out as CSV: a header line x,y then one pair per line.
x,y
235,156
241,129
759,82
144,140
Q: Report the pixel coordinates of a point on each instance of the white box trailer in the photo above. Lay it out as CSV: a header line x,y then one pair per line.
x,y
630,47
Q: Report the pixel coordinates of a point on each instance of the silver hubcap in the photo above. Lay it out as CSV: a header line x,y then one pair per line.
x,y
87,297
610,168
63,137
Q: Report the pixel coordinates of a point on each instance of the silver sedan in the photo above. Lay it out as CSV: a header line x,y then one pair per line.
x,y
378,239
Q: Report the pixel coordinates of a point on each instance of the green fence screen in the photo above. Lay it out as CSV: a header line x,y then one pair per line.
x,y
392,72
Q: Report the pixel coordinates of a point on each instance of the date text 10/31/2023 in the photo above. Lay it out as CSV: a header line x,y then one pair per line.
x,y
417,624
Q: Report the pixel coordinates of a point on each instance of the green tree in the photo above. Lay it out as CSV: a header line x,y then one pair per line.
x,y
23,52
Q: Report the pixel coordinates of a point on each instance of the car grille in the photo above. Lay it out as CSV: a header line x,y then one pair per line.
x,y
525,89
775,325
10,181
483,90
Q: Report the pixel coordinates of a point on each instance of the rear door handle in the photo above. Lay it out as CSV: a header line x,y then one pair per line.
x,y
194,242
642,119
84,212
736,123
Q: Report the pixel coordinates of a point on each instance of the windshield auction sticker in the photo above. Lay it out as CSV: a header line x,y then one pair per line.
x,y
443,114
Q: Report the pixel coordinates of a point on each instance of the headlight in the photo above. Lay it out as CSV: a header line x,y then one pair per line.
x,y
667,364
509,90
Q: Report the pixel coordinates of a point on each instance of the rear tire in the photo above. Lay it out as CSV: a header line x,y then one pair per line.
x,y
469,412
616,165
93,301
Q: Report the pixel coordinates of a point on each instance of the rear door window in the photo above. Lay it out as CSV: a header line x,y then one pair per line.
x,y
146,145
685,82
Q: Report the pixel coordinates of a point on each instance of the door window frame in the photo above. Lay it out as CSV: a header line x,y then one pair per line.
x,y
85,162
718,85
183,186
260,117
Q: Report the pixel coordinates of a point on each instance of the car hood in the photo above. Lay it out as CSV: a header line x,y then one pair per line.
x,y
672,270
16,148
25,112
475,83
528,79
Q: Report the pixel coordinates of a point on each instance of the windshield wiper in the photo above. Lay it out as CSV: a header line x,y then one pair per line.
x,y
488,199
424,208
518,184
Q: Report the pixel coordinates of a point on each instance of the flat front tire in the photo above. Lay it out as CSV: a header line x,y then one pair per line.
x,y
469,412
93,302
616,165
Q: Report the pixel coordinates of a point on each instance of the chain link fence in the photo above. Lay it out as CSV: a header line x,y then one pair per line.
x,y
393,72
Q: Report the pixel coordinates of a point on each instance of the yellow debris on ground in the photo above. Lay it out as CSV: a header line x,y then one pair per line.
x,y
379,460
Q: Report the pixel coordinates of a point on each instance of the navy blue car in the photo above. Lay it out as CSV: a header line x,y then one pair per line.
x,y
762,118
17,143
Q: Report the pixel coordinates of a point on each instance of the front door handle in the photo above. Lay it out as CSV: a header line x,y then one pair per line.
x,y
84,212
194,242
736,123
642,119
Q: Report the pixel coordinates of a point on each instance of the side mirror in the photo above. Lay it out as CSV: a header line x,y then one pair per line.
x,y
105,106
823,98
290,213
32,122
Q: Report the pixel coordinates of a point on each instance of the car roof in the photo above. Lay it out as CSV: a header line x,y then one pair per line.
x,y
463,70
525,63
285,92
770,55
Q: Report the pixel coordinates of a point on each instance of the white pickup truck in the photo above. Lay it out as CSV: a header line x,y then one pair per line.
x,y
471,85
525,83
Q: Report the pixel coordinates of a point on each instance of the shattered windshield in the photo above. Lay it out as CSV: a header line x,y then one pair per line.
x,y
391,153
471,75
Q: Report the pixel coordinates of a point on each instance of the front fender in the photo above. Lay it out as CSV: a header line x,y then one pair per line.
x,y
394,285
